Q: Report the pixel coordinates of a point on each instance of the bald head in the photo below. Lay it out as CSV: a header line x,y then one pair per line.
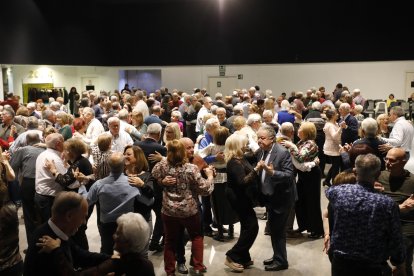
x,y
188,145
116,162
395,161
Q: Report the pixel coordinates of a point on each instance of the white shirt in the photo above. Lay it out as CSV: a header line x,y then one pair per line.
x,y
142,107
61,235
95,128
203,111
402,134
45,182
121,141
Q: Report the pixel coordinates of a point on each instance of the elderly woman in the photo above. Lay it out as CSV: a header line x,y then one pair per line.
x,y
100,155
286,114
182,181
383,129
332,144
308,205
63,119
175,118
129,241
240,178
137,120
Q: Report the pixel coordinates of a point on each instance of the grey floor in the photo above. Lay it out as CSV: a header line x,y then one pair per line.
x,y
305,255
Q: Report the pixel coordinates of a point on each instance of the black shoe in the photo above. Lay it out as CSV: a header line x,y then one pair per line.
x,y
182,269
315,236
326,183
293,235
268,261
267,231
155,247
208,231
276,267
219,237
248,264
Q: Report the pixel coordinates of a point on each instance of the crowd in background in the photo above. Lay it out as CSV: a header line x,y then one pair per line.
x,y
201,164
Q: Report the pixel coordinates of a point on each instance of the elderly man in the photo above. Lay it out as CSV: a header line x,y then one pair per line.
x,y
7,122
31,107
115,197
48,118
276,176
32,127
206,108
45,185
150,146
402,133
52,252
349,125
154,117
94,126
366,225
120,138
398,183
23,162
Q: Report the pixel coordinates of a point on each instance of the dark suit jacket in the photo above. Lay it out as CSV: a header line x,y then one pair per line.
x,y
349,134
282,183
61,261
149,146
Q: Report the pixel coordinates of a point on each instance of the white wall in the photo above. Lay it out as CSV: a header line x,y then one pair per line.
x,y
375,79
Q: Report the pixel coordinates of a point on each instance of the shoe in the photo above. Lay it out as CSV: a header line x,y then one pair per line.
x,y
326,183
196,272
25,251
248,264
315,236
155,247
208,232
276,267
268,261
204,267
264,217
234,266
219,237
182,269
293,235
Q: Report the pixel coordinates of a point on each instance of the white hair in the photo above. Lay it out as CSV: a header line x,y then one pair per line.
x,y
253,118
345,106
31,105
370,127
212,122
268,93
88,110
285,105
358,108
113,120
154,128
123,114
316,106
135,230
268,112
176,113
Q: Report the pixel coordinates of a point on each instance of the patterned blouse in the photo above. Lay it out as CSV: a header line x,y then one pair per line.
x,y
178,199
304,151
100,160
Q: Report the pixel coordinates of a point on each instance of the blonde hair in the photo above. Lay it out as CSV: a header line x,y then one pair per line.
x,y
177,132
239,122
309,130
234,147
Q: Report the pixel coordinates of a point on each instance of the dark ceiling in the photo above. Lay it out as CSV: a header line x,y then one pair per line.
x,y
202,32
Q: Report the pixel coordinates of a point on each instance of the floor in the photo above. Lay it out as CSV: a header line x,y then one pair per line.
x,y
305,255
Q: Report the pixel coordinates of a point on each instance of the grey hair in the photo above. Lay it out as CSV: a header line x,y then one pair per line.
x,y
397,110
47,113
206,99
113,120
135,230
154,128
287,128
55,104
139,94
358,108
52,139
218,96
238,110
370,127
345,106
269,129
32,122
267,112
123,114
316,106
367,167
31,105
212,122
285,104
253,118
176,113
89,110
116,162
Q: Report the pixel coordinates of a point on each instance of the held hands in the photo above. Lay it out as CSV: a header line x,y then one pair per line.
x,y
287,144
136,181
155,157
262,165
50,165
210,171
384,148
408,204
169,180
220,156
5,156
343,124
378,187
48,244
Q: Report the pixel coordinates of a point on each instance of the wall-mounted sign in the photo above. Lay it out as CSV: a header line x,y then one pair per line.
x,y
222,70
219,84
240,76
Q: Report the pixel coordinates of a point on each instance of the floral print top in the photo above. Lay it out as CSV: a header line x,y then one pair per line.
x,y
178,199
304,151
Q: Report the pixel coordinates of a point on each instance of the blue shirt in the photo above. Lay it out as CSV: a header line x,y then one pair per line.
x,y
204,142
366,225
116,197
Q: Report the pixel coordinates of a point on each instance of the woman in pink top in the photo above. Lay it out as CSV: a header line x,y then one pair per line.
x,y
332,144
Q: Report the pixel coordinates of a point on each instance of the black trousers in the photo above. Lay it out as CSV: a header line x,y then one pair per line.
x,y
44,204
30,211
249,228
158,226
334,170
107,230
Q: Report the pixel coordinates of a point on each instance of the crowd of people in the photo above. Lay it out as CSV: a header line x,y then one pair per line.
x,y
201,163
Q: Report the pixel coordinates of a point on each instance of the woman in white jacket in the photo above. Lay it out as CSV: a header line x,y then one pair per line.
x,y
332,144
